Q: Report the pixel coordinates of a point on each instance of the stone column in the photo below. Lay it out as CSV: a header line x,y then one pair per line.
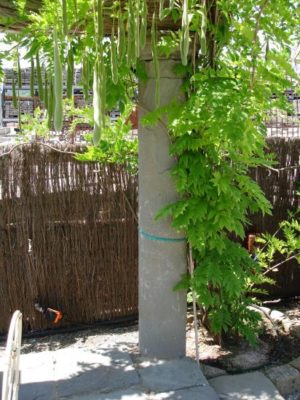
x,y
162,253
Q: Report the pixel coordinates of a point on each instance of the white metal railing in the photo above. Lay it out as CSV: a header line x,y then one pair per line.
x,y
11,372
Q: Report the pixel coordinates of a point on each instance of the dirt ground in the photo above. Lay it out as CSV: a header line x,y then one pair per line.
x,y
275,345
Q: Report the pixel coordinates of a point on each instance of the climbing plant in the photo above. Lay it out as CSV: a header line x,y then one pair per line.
x,y
235,55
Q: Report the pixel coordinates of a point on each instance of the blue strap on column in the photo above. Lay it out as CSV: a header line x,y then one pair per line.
x,y
148,236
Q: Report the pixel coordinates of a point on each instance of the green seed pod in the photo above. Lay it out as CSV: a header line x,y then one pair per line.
x,y
14,95
185,34
267,50
155,60
70,73
39,77
137,29
171,4
143,30
98,10
203,45
58,86
75,8
113,58
19,73
65,17
121,37
103,91
97,106
161,9
99,74
46,94
131,49
85,78
32,77
50,102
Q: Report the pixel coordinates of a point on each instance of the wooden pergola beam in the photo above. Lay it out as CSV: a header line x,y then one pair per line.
x,y
8,10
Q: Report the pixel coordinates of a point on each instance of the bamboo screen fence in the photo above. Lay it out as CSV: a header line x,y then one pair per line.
x,y
280,188
68,235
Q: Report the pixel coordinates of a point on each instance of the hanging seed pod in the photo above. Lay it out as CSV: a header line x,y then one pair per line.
x,y
103,91
31,77
203,45
50,102
137,29
14,94
39,77
121,46
98,120
185,34
65,17
113,57
155,60
70,73
143,30
131,49
46,95
58,86
161,9
99,72
85,78
19,73
171,4
98,23
75,8
267,50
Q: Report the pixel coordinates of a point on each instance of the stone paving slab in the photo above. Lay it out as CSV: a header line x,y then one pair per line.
x,y
37,367
165,375
103,370
249,386
128,394
108,373
195,393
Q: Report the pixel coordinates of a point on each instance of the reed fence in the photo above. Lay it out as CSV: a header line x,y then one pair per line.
x,y
281,190
68,236
68,233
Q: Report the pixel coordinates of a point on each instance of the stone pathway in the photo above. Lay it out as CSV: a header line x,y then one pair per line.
x,y
109,373
107,366
276,383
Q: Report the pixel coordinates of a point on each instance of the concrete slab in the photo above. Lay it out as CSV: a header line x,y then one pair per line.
x,y
38,391
170,375
37,376
100,371
249,386
129,394
196,393
37,367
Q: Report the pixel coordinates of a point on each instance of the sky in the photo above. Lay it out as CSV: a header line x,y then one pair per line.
x,y
9,64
